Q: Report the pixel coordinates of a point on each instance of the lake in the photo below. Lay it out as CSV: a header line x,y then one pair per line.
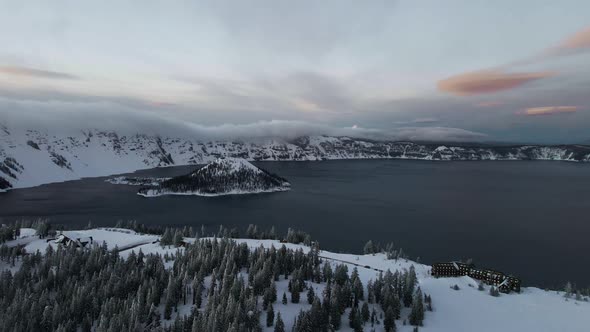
x,y
527,218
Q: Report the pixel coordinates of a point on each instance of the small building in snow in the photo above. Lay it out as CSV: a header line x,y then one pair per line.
x,y
80,242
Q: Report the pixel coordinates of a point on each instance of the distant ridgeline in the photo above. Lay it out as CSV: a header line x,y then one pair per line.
x,y
31,157
498,279
224,176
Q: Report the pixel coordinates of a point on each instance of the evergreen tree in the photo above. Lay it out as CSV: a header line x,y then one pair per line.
x,y
284,298
568,290
279,325
295,296
365,312
170,298
270,316
310,295
389,321
341,274
252,232
166,238
409,284
390,251
327,273
417,313
178,238
316,314
42,228
273,292
335,312
351,317
303,322
356,322
307,240
428,302
369,248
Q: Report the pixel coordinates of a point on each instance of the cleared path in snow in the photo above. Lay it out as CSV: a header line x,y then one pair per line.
x,y
351,263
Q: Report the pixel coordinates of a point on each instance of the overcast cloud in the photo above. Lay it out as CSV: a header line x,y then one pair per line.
x,y
68,117
452,70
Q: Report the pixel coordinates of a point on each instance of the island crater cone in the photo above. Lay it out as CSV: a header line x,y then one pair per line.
x,y
224,176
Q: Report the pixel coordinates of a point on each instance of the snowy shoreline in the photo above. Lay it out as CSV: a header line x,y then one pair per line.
x,y
149,193
122,174
135,181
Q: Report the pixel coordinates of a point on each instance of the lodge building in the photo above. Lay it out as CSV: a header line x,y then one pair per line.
x,y
69,242
503,282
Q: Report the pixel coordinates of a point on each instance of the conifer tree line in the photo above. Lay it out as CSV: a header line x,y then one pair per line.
x,y
389,250
572,292
173,236
227,286
11,231
138,227
46,229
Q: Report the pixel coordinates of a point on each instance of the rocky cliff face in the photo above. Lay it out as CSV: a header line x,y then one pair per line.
x,y
30,158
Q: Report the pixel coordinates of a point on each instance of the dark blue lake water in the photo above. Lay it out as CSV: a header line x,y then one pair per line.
x,y
527,218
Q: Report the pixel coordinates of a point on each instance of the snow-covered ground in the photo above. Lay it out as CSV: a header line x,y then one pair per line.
x,y
113,237
466,309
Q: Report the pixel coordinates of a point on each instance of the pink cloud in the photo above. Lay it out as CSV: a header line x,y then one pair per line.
x,y
497,79
576,42
548,110
487,81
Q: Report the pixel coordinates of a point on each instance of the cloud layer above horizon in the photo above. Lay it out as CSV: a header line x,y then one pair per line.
x,y
67,118
456,70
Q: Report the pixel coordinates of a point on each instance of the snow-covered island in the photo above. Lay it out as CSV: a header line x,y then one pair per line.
x,y
126,280
224,176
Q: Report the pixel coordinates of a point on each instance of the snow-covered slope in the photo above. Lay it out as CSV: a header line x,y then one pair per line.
x,y
466,309
31,157
224,176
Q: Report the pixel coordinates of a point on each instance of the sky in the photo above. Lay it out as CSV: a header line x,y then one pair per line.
x,y
512,71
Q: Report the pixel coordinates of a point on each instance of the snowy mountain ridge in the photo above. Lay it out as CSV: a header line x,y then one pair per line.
x,y
32,157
